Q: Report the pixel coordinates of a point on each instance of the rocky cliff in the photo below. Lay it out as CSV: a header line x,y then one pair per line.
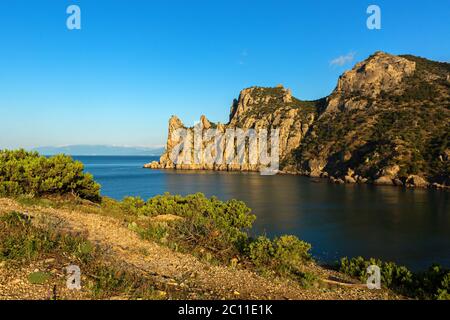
x,y
387,122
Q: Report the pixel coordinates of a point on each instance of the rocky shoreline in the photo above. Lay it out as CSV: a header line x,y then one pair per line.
x,y
412,182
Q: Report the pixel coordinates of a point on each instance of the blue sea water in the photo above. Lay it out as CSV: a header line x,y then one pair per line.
x,y
410,227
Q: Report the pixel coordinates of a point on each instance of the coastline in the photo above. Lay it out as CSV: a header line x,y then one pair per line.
x,y
394,182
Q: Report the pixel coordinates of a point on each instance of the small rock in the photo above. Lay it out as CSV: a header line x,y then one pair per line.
x,y
349,179
152,165
384,180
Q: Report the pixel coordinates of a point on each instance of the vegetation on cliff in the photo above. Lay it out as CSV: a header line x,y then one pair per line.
x,y
405,127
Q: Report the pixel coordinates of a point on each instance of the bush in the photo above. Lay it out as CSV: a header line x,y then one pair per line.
x,y
217,226
27,173
431,284
284,255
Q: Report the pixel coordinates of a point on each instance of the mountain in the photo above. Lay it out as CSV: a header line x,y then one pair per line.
x,y
100,150
387,122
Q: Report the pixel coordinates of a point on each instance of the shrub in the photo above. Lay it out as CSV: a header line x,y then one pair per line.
x,y
431,284
132,205
284,255
217,226
27,173
392,276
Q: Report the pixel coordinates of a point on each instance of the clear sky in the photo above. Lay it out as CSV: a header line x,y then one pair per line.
x,y
135,63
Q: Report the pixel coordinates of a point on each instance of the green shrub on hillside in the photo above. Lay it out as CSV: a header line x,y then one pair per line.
x,y
284,255
28,173
208,223
431,284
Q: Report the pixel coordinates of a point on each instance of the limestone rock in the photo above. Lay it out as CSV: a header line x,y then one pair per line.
x,y
205,122
384,180
152,165
380,73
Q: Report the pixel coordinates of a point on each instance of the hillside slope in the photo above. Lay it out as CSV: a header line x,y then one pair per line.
x,y
162,272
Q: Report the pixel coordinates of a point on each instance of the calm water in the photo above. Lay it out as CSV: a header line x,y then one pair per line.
x,y
405,226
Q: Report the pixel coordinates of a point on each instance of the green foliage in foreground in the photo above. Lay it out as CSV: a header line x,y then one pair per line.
x,y
21,242
284,254
28,173
212,223
218,230
431,284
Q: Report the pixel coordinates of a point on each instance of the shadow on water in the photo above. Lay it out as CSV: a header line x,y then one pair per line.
x,y
410,227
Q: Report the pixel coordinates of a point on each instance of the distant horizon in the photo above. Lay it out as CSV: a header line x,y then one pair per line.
x,y
99,150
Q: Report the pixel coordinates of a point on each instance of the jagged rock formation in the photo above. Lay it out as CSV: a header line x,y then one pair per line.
x,y
368,80
256,108
387,122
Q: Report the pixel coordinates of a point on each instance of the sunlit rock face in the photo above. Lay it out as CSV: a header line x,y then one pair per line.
x,y
256,108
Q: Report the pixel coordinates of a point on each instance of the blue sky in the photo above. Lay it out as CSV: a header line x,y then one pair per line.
x,y
135,63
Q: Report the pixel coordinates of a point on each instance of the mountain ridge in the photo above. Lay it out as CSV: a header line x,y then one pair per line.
x,y
99,150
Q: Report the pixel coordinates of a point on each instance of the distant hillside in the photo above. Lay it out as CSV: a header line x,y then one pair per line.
x,y
100,150
387,122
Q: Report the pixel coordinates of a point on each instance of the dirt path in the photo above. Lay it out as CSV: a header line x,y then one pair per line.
x,y
185,270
